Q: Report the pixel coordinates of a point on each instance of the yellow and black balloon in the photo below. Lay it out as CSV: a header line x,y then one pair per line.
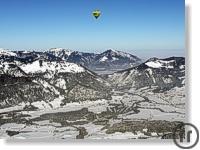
x,y
96,13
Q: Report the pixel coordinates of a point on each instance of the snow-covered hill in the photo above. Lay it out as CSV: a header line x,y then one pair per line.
x,y
108,61
114,55
6,52
11,69
60,52
43,95
114,60
42,81
163,73
42,66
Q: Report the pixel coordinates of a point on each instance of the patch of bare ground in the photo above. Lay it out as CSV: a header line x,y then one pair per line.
x,y
159,127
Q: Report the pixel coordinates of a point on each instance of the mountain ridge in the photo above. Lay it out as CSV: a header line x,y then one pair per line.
x,y
163,73
106,61
45,81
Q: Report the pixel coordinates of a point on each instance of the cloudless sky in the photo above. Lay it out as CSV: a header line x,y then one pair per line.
x,y
136,26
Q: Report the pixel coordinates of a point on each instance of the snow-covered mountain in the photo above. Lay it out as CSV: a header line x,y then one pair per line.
x,y
60,52
85,59
26,56
110,60
42,83
44,96
114,60
41,66
4,52
113,55
106,61
162,73
11,69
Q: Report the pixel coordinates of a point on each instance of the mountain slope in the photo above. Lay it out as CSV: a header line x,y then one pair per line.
x,y
6,53
45,83
60,52
106,61
110,60
114,60
85,59
162,73
55,99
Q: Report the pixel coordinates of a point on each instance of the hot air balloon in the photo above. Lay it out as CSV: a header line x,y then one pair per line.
x,y
96,13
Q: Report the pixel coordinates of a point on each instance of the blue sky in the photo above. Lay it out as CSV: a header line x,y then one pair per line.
x,y
136,26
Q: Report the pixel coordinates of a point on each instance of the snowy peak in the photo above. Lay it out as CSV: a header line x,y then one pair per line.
x,y
162,73
43,81
113,55
112,60
60,52
156,63
11,69
4,52
43,66
81,58
108,61
169,63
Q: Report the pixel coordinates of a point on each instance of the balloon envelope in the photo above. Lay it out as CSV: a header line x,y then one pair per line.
x,y
96,14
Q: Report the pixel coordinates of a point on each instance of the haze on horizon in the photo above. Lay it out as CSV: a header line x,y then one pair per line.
x,y
141,27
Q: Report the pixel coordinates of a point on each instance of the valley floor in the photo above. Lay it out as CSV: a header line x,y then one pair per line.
x,y
130,114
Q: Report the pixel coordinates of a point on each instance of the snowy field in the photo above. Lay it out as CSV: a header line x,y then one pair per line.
x,y
101,119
